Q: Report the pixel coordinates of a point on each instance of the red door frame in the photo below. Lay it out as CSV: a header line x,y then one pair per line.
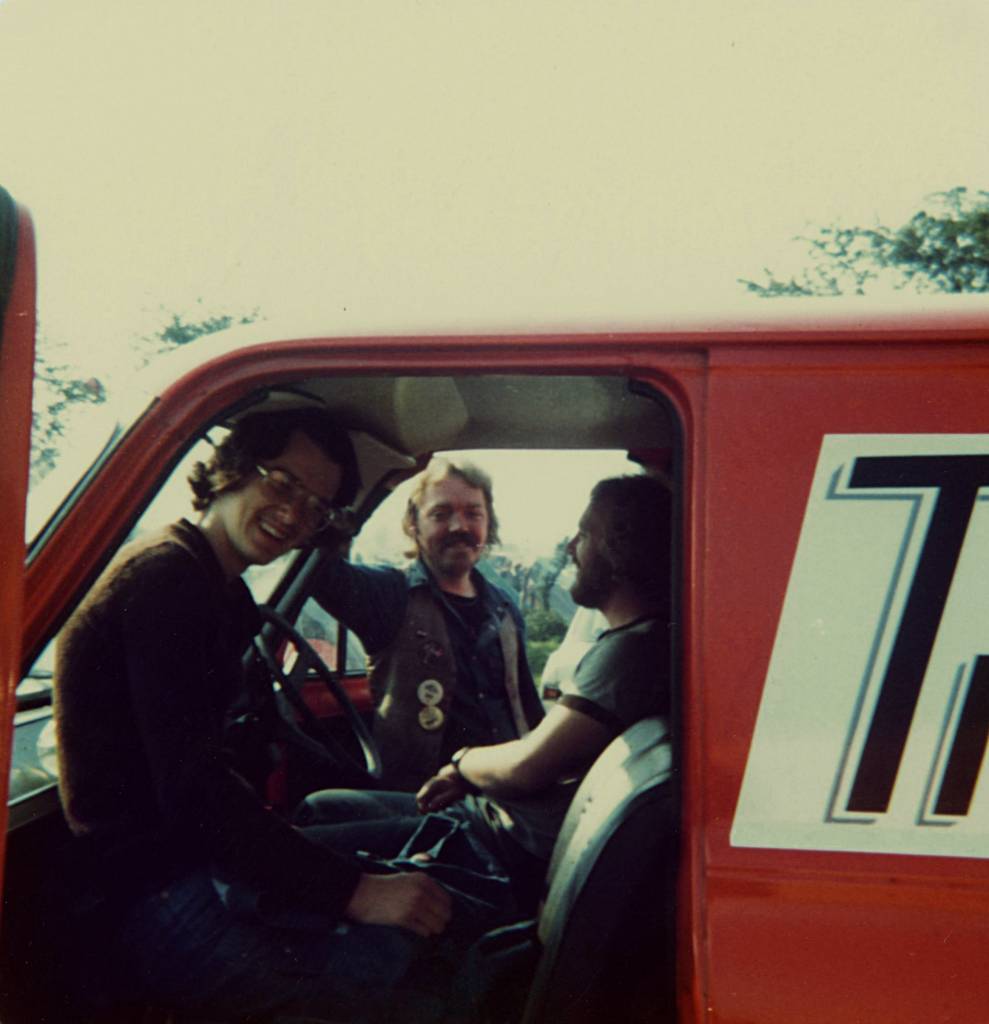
x,y
16,381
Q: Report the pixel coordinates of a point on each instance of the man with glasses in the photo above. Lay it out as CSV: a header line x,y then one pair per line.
x,y
195,894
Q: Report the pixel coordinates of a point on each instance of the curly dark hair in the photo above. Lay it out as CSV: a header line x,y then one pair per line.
x,y
265,435
637,531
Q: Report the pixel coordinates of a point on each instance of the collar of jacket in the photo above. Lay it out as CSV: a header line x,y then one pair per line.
x,y
419,576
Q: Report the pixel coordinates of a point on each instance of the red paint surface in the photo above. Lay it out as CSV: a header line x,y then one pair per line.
x,y
16,378
767,936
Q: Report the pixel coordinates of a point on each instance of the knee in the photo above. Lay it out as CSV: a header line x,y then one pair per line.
x,y
333,807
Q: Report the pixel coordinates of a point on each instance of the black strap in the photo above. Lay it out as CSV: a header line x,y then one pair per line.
x,y
587,707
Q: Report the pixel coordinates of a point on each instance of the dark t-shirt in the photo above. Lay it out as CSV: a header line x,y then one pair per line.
x,y
373,602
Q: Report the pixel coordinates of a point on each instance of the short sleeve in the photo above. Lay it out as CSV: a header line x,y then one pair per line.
x,y
625,675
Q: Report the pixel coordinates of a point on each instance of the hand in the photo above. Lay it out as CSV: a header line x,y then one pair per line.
x,y
446,787
413,901
336,538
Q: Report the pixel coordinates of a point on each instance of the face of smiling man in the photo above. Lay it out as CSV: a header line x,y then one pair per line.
x,y
253,526
451,531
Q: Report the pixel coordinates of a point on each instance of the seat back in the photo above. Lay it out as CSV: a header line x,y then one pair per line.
x,y
607,924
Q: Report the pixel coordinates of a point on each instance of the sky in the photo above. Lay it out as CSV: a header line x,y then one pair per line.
x,y
456,160
460,156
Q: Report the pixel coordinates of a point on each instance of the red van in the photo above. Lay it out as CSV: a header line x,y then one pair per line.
x,y
832,656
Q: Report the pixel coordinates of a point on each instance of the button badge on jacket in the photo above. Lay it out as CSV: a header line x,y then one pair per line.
x,y
431,717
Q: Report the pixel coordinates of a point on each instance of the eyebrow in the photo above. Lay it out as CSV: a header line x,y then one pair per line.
x,y
443,506
328,502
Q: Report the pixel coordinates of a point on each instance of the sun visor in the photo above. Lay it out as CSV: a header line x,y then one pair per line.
x,y
375,459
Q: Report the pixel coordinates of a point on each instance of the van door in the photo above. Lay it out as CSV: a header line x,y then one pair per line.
x,y
17,327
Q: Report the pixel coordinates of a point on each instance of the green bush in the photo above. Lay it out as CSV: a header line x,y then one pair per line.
x,y
537,651
541,624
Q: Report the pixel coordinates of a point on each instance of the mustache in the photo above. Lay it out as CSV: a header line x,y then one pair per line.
x,y
461,537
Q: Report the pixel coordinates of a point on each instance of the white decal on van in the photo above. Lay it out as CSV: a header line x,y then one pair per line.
x,y
874,717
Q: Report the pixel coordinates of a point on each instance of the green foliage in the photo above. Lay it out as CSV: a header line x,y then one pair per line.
x,y
180,332
946,250
57,392
544,624
537,652
55,389
534,583
555,565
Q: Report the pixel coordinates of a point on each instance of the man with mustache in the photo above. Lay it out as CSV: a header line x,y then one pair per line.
x,y
512,797
447,654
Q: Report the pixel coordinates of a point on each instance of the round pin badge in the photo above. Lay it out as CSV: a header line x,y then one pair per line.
x,y
431,718
430,692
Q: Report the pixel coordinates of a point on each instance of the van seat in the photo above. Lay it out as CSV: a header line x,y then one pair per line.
x,y
610,906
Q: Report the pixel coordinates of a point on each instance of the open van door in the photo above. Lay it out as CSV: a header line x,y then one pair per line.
x,y
17,327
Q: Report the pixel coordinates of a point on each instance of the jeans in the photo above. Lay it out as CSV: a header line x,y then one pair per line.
x,y
202,947
354,820
224,951
388,826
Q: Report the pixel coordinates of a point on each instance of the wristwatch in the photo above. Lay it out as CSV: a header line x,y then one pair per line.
x,y
455,764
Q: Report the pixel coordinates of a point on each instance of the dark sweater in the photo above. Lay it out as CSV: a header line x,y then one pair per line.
x,y
146,668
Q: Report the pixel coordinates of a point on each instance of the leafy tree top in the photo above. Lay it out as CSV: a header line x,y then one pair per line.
x,y
58,391
943,248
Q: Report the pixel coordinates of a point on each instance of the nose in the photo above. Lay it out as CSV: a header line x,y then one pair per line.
x,y
572,548
456,521
290,508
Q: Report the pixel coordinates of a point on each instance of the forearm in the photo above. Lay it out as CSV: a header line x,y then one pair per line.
x,y
564,744
506,770
500,772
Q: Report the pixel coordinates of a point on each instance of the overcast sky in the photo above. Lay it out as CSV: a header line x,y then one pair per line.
x,y
468,158
453,160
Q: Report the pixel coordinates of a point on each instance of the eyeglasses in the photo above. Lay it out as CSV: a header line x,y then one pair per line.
x,y
317,514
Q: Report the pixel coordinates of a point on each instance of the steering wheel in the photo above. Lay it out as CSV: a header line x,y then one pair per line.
x,y
306,661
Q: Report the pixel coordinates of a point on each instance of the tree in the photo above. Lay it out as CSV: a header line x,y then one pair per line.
x,y
58,392
946,250
534,583
55,389
543,624
553,568
181,332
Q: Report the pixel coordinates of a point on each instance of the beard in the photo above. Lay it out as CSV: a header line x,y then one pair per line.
x,y
593,585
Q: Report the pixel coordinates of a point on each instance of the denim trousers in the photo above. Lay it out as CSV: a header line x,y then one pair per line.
x,y
226,952
199,946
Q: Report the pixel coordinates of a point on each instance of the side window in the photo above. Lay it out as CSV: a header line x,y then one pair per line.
x,y
538,498
323,632
33,765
